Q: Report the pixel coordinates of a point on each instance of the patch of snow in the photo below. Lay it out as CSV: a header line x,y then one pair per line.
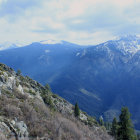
x,y
7,45
47,51
78,54
51,42
129,46
20,44
11,45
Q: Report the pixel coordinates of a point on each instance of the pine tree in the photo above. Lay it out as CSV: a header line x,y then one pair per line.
x,y
125,131
47,86
114,128
76,110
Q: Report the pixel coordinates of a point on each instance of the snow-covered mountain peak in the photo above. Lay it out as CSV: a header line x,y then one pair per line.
x,y
128,38
7,45
128,44
129,48
11,45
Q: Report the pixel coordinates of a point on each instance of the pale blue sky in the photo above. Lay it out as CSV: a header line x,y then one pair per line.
x,y
78,21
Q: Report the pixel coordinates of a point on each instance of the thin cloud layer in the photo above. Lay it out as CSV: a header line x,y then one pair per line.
x,y
79,21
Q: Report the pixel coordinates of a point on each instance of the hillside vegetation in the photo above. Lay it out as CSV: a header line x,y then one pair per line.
x,y
29,110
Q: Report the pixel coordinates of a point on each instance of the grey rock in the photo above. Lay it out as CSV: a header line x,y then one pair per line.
x,y
22,127
2,79
20,89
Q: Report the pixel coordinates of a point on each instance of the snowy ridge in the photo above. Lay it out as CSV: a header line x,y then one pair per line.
x,y
127,45
7,45
132,47
50,42
10,45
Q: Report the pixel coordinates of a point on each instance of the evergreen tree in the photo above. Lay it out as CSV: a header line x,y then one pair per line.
x,y
47,86
114,128
18,72
125,131
76,110
138,136
50,102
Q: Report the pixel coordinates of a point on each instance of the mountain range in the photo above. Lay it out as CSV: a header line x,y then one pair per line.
x,y
101,78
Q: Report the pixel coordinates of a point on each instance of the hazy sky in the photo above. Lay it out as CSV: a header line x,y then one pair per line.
x,y
79,21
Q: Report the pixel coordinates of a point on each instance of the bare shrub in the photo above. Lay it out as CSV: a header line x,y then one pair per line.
x,y
38,128
28,111
45,123
63,128
41,108
19,95
9,107
12,111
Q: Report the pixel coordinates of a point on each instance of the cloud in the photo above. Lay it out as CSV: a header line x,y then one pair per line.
x,y
79,21
11,7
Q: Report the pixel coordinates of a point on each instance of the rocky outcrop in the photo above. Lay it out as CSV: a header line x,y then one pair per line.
x,y
13,129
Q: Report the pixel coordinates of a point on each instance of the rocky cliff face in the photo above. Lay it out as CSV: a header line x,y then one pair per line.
x,y
29,110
